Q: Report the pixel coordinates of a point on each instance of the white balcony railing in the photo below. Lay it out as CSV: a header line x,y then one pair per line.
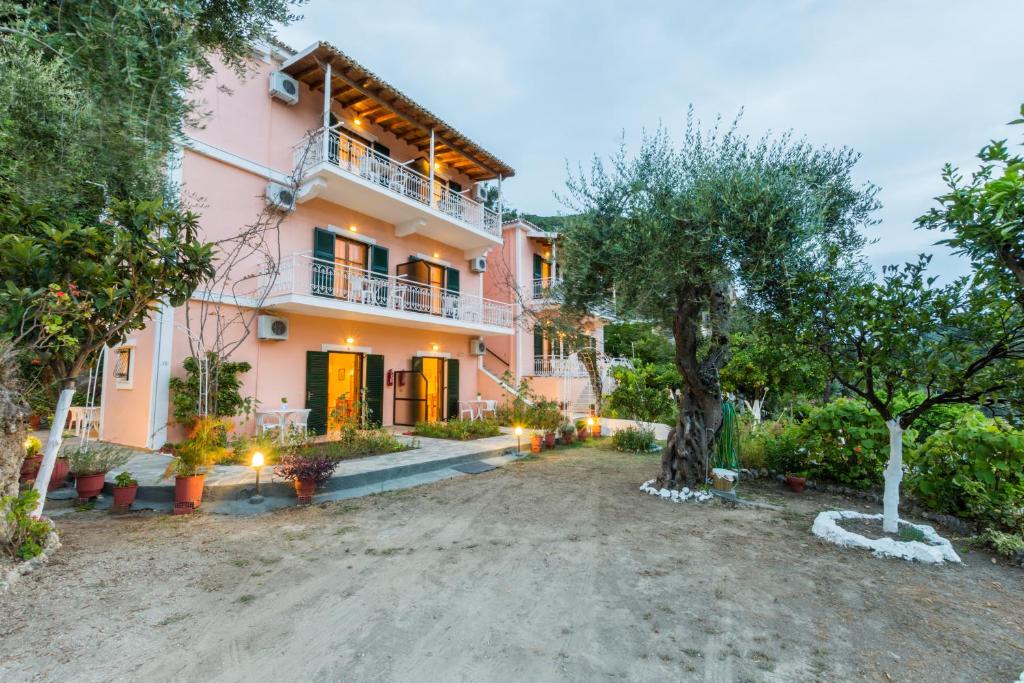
x,y
543,288
356,158
558,366
303,274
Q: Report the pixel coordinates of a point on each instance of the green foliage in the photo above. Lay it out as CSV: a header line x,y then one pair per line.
x,y
644,393
567,429
357,443
984,217
124,480
640,341
71,288
974,470
205,446
633,439
241,448
1008,545
783,449
22,536
32,446
225,398
95,458
460,430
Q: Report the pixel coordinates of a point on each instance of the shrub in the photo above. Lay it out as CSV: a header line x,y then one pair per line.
x,y
644,393
225,397
355,443
205,446
633,439
32,446
460,430
783,450
974,470
22,536
306,467
567,429
95,458
241,449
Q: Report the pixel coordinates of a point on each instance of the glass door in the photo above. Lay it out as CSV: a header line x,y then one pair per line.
x,y
349,267
344,382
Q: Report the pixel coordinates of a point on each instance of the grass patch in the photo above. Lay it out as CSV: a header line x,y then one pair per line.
x,y
911,533
246,599
459,430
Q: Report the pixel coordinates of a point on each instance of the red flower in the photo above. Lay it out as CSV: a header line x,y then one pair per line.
x,y
856,449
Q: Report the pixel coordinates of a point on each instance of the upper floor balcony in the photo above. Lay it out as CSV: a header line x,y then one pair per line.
x,y
323,288
359,172
544,289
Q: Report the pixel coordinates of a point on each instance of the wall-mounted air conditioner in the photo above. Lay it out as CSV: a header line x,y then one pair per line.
x,y
280,197
283,87
271,327
477,346
478,264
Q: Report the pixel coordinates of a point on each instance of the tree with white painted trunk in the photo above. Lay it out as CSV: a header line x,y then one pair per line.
x,y
72,289
906,345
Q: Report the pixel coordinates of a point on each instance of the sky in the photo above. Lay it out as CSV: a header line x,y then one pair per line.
x,y
910,85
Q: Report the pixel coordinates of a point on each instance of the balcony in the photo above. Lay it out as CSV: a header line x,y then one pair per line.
x,y
558,366
343,170
321,288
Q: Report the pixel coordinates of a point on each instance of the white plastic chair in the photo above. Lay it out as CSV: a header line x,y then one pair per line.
x,y
489,406
300,421
466,408
268,421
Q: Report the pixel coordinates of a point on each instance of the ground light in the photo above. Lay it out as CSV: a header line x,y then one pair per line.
x,y
590,426
519,436
257,464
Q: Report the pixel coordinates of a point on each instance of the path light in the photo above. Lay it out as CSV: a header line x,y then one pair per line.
x,y
519,436
257,464
590,425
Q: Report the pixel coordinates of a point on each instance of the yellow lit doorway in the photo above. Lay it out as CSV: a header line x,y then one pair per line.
x,y
344,380
433,372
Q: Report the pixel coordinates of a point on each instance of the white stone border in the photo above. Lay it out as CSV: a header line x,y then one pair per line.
x,y
936,551
15,572
676,496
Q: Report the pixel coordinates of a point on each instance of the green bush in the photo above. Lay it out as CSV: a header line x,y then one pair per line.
x,y
643,393
633,439
356,443
22,536
225,400
974,470
460,430
95,458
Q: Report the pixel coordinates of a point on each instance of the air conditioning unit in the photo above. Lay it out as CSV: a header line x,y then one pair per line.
x,y
280,197
479,192
284,87
477,346
271,327
478,264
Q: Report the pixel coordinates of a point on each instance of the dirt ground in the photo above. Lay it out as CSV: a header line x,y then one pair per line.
x,y
551,569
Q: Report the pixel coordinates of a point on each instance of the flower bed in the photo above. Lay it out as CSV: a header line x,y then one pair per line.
x,y
459,430
932,549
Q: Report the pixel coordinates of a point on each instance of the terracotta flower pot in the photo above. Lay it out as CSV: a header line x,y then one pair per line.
x,y
124,496
597,428
796,483
567,438
536,443
549,440
305,488
581,433
59,476
30,466
189,489
33,421
89,485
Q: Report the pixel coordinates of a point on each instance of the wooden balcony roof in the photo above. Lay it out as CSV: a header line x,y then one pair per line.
x,y
358,89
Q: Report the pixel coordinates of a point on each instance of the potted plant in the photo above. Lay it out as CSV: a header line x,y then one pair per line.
x,y
568,432
204,448
786,455
284,403
549,438
796,482
90,464
125,489
59,476
307,472
536,442
581,430
33,458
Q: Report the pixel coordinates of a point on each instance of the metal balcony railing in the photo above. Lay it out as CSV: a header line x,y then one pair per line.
x,y
544,288
356,158
303,274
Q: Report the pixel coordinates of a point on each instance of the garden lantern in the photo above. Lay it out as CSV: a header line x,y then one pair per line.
x,y
257,464
590,425
519,436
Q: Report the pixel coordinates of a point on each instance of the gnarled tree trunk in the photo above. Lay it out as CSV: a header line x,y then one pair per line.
x,y
13,412
688,452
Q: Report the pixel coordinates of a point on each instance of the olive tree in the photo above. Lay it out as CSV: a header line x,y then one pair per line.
x,y
906,345
673,234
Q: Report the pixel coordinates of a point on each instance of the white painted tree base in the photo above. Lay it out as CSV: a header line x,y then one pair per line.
x,y
676,496
936,551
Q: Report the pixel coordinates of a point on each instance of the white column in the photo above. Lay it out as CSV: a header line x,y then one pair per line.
x,y
327,113
554,262
432,203
500,223
893,477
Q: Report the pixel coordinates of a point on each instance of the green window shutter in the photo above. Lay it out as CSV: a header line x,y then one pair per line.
x,y
375,389
316,390
323,267
417,364
538,341
451,281
538,266
379,268
452,379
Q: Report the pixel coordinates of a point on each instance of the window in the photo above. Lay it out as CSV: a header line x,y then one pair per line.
x,y
349,264
124,367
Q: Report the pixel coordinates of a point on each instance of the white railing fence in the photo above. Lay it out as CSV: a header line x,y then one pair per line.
x,y
356,158
303,274
544,288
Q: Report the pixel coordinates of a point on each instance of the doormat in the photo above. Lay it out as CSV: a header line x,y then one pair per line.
x,y
474,467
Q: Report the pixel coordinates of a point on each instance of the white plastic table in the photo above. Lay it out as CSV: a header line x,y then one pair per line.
x,y
282,418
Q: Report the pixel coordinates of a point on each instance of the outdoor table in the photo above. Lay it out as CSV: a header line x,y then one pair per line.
x,y
282,414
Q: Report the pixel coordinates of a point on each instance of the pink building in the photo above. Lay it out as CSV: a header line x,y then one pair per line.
x,y
382,290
